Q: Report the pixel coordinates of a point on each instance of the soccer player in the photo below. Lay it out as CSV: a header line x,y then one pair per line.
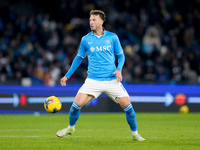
x,y
100,46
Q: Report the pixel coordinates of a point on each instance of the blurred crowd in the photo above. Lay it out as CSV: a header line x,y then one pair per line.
x,y
160,38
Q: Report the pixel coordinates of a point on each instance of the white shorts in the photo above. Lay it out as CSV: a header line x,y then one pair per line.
x,y
112,88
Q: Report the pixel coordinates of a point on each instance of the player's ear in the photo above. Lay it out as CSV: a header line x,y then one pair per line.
x,y
102,22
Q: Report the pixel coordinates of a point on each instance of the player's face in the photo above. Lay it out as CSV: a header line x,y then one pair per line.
x,y
95,22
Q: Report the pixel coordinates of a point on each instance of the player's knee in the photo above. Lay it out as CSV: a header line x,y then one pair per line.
x,y
123,101
81,99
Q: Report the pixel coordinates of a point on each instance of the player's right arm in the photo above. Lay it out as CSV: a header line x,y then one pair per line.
x,y
75,64
63,81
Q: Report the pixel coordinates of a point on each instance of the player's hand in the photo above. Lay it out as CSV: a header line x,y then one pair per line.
x,y
119,75
63,81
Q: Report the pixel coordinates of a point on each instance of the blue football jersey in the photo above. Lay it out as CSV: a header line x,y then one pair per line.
x,y
101,54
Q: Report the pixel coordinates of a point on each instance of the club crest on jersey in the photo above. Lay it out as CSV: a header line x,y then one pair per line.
x,y
92,49
107,41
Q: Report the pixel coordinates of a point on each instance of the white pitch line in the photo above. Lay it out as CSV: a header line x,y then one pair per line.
x,y
174,137
28,136
128,137
21,130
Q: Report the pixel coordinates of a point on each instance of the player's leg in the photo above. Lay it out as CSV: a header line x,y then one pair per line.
x,y
80,100
130,116
91,89
118,93
125,103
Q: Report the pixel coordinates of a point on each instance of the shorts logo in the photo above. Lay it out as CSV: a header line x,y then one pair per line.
x,y
92,49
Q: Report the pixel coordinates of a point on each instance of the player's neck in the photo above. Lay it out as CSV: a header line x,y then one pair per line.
x,y
99,32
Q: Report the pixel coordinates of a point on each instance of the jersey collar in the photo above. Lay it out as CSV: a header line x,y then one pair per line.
x,y
92,33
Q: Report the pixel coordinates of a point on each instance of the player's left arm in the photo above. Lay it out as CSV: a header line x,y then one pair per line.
x,y
121,58
118,71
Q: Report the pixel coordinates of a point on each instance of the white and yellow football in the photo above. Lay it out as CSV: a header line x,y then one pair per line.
x,y
52,104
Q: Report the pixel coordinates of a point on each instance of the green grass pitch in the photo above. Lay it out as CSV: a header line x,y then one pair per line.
x,y
163,131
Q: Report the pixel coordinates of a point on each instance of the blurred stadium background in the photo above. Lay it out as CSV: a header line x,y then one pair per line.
x,y
160,38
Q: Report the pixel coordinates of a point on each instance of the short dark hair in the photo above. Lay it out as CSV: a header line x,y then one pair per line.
x,y
100,13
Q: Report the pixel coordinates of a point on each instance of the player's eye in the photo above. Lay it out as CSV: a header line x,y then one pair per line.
x,y
92,20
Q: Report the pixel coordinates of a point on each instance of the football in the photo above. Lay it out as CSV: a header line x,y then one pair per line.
x,y
184,109
52,104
